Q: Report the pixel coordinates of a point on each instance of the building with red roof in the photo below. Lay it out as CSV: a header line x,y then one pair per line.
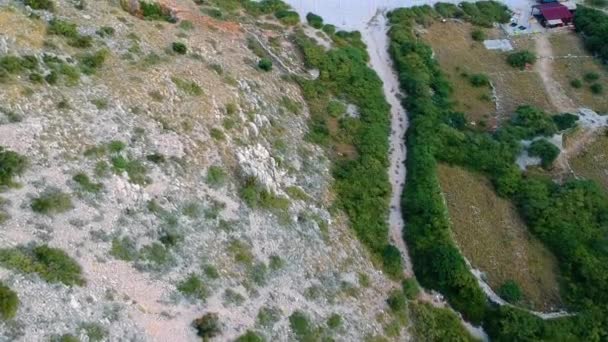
x,y
553,14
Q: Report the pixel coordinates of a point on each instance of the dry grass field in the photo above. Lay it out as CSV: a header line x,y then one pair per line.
x,y
493,237
592,162
458,53
569,69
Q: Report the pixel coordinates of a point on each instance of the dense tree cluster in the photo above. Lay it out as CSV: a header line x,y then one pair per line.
x,y
592,24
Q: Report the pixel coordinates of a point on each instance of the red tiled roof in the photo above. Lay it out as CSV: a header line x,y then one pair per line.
x,y
553,11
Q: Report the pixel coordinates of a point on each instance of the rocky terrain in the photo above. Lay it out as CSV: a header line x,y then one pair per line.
x,y
175,172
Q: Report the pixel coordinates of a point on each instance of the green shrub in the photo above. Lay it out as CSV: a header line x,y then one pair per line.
x,y
545,150
391,261
193,287
510,292
89,63
437,324
51,264
597,88
591,77
250,336
124,249
186,25
135,169
329,29
287,17
314,20
265,64
52,201
85,183
334,321
217,134
116,146
565,121
152,10
241,252
256,196
94,331
155,253
521,59
216,176
69,31
479,80
9,302
12,164
40,4
179,48
156,158
211,272
188,87
105,31
576,84
268,316
478,35
207,326
302,327
411,289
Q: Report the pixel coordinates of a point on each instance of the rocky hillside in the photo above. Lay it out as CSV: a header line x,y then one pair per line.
x,y
154,171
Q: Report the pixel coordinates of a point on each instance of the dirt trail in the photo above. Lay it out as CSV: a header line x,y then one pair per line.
x,y
544,67
375,36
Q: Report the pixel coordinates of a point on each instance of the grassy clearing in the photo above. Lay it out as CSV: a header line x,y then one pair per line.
x,y
592,163
493,237
568,70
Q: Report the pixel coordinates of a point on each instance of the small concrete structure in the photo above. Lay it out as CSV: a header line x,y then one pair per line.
x,y
498,44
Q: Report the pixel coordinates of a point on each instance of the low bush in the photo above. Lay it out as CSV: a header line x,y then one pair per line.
x,y
287,17
545,150
216,176
48,5
53,201
207,326
301,326
478,35
565,121
193,287
479,80
179,48
576,84
12,164
189,87
86,184
591,77
153,10
9,302
265,64
69,31
521,59
51,264
314,20
250,336
89,63
597,88
510,292
105,31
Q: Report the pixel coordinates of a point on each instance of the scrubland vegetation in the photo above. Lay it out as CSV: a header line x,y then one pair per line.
x,y
554,213
362,182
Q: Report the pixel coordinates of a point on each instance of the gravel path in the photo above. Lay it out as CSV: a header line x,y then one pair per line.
x,y
376,37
